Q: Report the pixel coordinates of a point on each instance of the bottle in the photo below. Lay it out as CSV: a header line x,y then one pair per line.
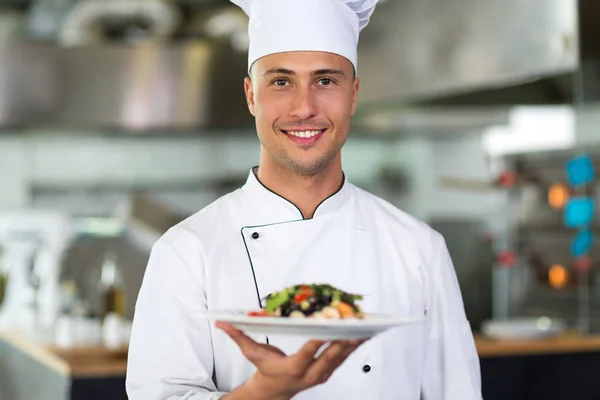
x,y
113,288
3,286
3,278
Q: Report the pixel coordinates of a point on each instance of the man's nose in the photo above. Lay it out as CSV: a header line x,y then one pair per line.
x,y
304,104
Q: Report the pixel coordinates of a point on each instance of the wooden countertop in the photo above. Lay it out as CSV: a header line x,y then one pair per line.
x,y
88,362
92,362
567,343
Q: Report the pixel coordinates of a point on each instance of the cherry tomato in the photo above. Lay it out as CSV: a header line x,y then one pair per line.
x,y
304,293
261,313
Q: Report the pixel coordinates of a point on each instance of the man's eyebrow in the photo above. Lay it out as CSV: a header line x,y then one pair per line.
x,y
329,71
278,71
318,72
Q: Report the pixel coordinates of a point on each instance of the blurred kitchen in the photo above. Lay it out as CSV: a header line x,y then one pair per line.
x,y
119,118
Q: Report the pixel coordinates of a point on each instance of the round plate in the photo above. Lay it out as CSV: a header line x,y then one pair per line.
x,y
523,328
327,329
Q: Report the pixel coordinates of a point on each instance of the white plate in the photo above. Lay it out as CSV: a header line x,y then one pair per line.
x,y
328,329
523,328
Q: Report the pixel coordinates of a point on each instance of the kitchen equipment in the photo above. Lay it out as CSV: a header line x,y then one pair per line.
x,y
180,87
112,288
3,279
34,243
472,255
547,279
523,328
108,265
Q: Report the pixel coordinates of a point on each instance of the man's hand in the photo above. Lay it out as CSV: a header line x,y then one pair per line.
x,y
280,377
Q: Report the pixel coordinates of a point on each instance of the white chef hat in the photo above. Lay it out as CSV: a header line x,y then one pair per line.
x,y
305,25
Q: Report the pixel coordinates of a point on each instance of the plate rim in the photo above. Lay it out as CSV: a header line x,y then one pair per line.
x,y
389,320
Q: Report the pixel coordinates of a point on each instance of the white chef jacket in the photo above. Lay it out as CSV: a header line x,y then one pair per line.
x,y
252,242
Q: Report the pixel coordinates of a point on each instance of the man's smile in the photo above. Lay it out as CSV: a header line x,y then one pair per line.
x,y
304,137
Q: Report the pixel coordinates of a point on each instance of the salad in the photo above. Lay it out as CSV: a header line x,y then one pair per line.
x,y
316,301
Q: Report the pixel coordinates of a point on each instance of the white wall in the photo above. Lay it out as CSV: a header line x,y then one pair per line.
x,y
60,165
65,163
14,170
464,158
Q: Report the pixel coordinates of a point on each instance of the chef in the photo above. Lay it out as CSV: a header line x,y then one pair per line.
x,y
298,219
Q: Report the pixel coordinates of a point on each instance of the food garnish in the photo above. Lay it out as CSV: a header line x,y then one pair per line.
x,y
317,301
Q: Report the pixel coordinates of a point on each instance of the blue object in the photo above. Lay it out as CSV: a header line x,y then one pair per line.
x,y
580,170
582,243
579,211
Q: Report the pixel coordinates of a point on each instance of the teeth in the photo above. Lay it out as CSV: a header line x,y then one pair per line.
x,y
304,134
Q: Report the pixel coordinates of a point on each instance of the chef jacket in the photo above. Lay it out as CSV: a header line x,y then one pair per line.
x,y
251,242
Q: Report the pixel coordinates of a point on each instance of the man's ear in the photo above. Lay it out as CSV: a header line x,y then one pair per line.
x,y
355,87
249,90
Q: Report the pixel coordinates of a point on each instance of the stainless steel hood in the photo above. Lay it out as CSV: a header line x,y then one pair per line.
x,y
138,66
414,54
175,87
477,52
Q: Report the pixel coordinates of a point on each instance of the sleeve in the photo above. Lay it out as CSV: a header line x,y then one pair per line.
x,y
170,352
452,369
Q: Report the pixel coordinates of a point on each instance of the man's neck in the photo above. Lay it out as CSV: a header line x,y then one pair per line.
x,y
305,192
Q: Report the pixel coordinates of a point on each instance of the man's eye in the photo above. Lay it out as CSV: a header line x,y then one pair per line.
x,y
325,81
280,82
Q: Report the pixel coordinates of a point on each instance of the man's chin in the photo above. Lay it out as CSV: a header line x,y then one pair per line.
x,y
306,167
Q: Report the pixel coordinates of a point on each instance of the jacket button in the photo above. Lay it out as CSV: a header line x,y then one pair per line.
x,y
255,235
366,368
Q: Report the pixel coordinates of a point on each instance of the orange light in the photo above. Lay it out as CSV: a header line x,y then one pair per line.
x,y
558,195
558,276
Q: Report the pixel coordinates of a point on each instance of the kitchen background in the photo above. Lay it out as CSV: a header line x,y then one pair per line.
x,y
119,118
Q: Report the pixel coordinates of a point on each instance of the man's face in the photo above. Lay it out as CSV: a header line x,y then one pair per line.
x,y
302,103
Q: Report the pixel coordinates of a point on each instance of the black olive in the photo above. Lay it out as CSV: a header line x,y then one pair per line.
x,y
324,300
309,311
288,308
291,308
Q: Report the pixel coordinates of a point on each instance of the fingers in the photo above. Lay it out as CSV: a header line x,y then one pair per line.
x,y
252,350
357,342
293,365
241,339
236,334
302,366
320,371
307,352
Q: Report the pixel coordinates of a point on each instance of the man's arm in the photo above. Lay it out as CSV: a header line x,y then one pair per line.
x,y
170,353
452,368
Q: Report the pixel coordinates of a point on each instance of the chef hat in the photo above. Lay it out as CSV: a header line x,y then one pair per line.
x,y
305,25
